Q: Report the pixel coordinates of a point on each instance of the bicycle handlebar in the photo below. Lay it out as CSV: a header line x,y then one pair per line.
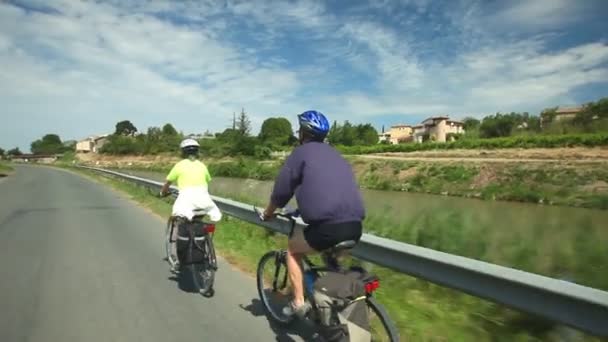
x,y
291,215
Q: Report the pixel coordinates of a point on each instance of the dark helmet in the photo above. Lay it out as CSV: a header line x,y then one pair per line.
x,y
314,123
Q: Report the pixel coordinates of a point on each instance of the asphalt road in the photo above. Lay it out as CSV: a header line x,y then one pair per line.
x,y
80,262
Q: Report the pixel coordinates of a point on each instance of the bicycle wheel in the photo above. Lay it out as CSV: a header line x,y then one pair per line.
x,y
170,245
382,327
273,286
204,273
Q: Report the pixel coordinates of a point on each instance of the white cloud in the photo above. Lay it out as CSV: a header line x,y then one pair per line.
x,y
541,14
194,63
148,69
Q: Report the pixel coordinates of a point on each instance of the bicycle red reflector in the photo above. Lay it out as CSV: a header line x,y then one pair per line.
x,y
210,228
372,286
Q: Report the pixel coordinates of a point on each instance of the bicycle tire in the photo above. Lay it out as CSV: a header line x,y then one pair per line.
x,y
171,258
272,256
203,274
387,323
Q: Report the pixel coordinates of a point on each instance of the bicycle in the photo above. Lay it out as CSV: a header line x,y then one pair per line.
x,y
199,245
384,330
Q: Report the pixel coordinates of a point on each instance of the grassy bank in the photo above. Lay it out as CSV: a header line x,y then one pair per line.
x,y
5,168
423,311
577,185
569,184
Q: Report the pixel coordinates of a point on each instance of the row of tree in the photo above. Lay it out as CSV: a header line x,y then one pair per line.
x,y
591,119
10,153
48,144
275,134
501,125
232,141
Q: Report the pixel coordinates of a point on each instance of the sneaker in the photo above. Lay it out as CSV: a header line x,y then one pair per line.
x,y
300,311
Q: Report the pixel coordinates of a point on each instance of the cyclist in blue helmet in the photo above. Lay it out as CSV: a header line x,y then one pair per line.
x,y
328,198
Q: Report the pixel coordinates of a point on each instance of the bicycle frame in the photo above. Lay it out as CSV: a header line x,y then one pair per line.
x,y
329,258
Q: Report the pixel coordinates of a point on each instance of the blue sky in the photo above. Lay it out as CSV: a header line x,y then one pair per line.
x,y
76,68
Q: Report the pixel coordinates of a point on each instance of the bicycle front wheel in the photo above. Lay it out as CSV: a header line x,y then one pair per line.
x,y
273,285
170,242
204,273
383,329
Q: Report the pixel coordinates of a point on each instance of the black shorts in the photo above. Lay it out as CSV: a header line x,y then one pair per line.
x,y
326,235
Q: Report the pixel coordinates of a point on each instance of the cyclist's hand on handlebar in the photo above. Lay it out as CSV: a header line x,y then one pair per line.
x,y
266,216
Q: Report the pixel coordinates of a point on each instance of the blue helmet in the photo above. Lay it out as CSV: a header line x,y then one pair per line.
x,y
315,123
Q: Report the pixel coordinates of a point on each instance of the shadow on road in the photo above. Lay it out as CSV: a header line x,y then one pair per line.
x,y
299,328
184,280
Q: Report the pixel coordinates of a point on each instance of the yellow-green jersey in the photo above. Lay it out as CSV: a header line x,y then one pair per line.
x,y
189,173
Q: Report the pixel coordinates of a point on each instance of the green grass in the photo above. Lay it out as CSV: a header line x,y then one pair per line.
x,y
5,168
423,311
546,183
557,184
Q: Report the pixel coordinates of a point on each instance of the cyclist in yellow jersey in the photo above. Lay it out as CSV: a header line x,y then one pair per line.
x,y
192,178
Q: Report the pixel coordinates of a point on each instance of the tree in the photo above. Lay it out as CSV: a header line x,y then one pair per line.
x,y
49,144
349,135
335,134
2,152
548,115
470,124
228,135
502,125
120,144
366,135
69,145
14,152
591,112
243,125
169,130
276,131
125,128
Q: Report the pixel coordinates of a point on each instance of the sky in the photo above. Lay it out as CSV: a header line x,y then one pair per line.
x,y
75,68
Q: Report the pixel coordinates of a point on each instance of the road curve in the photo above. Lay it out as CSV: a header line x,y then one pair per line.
x,y
80,262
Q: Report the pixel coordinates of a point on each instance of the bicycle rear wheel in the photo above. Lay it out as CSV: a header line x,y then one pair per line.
x,y
170,242
204,273
383,329
273,286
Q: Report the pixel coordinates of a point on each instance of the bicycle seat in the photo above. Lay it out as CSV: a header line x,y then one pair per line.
x,y
348,244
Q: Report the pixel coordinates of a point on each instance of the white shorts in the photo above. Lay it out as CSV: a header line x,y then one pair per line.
x,y
196,199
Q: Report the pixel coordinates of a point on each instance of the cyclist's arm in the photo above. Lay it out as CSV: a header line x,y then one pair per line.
x,y
287,181
207,175
165,187
171,177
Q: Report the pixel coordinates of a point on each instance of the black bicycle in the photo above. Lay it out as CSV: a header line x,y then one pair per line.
x,y
274,291
198,253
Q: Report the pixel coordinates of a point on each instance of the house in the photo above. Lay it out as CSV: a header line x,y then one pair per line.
x,y
397,134
92,144
384,136
560,114
567,113
437,128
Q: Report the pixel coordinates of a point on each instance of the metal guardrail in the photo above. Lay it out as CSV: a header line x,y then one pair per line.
x,y
568,303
